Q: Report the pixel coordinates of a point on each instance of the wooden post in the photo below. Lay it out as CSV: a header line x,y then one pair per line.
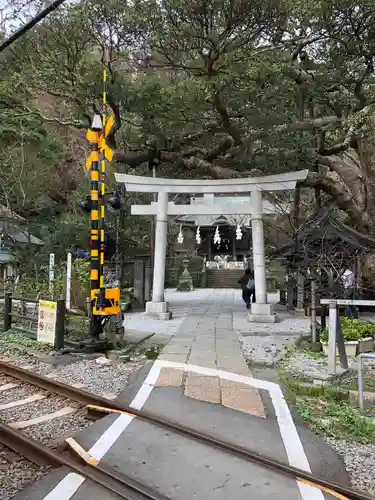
x,y
313,311
332,332
8,311
300,291
323,314
290,292
110,331
234,253
60,325
335,337
341,343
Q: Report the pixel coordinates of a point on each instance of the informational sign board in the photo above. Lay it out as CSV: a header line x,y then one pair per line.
x,y
47,321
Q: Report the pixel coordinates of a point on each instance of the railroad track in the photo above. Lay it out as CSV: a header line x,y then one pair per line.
x,y
21,395
100,406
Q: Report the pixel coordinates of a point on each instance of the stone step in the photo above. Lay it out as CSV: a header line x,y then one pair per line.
x,y
223,278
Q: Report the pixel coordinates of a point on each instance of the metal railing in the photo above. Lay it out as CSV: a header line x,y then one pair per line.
x,y
11,317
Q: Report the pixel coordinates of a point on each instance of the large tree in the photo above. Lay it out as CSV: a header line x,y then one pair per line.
x,y
219,88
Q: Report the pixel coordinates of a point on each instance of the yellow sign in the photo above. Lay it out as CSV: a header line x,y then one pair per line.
x,y
92,136
47,321
108,126
103,148
112,302
94,156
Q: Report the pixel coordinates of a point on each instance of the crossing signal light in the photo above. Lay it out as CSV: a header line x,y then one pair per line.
x,y
115,202
86,205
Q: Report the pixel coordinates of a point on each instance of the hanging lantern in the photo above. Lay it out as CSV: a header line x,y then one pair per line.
x,y
198,236
217,238
238,232
180,237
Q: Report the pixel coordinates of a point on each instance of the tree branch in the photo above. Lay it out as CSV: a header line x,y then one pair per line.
x,y
225,119
302,44
340,193
58,121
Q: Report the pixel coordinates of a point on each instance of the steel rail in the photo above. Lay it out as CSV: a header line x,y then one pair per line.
x,y
86,398
120,484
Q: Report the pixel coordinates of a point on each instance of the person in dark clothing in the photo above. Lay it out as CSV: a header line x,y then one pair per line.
x,y
248,287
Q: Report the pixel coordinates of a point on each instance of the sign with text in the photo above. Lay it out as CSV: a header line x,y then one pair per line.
x,y
47,321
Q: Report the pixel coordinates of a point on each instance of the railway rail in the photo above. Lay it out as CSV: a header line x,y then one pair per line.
x,y
101,404
42,455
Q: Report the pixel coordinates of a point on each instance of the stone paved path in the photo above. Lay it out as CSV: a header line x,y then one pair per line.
x,y
208,338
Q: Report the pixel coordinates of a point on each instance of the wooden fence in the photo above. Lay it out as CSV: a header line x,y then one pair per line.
x,y
12,318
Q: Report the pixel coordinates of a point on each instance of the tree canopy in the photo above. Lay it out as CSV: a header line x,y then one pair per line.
x,y
210,88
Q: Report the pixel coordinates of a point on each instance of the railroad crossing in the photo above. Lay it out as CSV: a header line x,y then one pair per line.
x,y
201,382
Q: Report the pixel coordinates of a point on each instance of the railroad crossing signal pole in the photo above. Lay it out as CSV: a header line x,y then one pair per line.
x,y
93,136
102,205
105,302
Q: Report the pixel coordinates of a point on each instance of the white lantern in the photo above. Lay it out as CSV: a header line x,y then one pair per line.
x,y
198,236
238,232
217,238
180,237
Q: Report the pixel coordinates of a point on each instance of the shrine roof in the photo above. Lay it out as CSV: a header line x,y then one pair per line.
x,y
325,228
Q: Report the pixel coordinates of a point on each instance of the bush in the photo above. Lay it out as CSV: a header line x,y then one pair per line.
x,y
37,284
352,329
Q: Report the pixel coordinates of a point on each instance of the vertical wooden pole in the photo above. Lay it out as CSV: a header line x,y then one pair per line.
x,y
68,281
313,311
7,311
332,333
60,325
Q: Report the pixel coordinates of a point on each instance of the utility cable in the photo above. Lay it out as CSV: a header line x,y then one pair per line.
x,y
28,26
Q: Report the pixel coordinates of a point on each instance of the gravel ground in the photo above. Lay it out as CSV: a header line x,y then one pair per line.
x,y
266,349
21,392
100,379
32,410
4,379
16,474
300,364
55,431
359,461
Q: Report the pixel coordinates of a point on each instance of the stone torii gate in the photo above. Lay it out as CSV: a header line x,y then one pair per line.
x,y
261,311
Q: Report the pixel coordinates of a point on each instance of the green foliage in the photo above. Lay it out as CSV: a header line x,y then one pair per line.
x,y
352,329
326,412
217,85
80,283
336,419
21,343
36,283
152,352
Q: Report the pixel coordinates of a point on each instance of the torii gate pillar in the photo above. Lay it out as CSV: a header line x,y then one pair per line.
x,y
260,310
158,306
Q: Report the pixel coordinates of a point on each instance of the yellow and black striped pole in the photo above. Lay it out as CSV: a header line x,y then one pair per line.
x,y
94,135
94,240
104,301
102,205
